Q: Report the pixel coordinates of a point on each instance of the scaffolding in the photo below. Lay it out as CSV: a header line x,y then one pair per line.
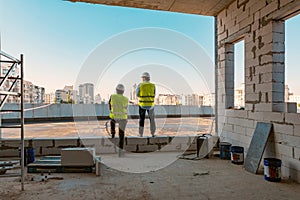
x,y
12,86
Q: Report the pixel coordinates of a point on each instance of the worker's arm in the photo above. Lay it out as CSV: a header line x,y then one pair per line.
x,y
138,91
109,105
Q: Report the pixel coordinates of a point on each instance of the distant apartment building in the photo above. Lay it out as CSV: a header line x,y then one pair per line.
x,y
60,96
72,95
167,99
86,93
50,98
239,98
209,99
192,100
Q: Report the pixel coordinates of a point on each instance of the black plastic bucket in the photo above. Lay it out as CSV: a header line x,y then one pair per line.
x,y
237,155
272,169
225,150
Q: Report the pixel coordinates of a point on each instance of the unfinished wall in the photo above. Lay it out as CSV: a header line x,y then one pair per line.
x,y
260,23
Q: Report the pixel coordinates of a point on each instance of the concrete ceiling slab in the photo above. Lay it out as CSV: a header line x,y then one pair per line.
x,y
200,7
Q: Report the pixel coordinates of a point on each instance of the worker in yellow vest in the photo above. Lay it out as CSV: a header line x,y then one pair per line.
x,y
118,113
146,93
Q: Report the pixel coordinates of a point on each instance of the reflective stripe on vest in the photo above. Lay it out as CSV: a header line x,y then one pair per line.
x,y
147,95
119,104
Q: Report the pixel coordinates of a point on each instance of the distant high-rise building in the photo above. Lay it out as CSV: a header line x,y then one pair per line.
x,y
192,100
209,99
86,93
32,93
60,96
167,99
72,95
49,98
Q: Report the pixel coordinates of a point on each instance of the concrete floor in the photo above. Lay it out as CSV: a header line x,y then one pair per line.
x,y
183,179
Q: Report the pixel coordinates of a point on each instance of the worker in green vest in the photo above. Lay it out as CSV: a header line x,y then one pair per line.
x,y
146,93
118,113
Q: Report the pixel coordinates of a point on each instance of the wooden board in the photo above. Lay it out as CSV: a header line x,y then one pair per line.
x,y
257,146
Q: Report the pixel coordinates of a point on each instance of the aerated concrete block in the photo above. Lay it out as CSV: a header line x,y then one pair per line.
x,y
147,148
77,157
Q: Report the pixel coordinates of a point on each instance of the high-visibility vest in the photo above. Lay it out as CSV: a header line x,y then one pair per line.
x,y
119,104
147,94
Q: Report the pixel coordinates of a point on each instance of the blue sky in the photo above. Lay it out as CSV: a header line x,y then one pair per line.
x,y
57,37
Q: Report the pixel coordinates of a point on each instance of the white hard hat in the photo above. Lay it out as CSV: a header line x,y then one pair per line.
x,y
120,87
146,75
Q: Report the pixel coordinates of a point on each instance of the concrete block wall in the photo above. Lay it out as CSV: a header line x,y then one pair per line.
x,y
260,23
102,145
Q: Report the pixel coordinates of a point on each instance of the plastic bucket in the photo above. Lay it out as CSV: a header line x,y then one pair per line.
x,y
29,155
272,169
225,150
237,155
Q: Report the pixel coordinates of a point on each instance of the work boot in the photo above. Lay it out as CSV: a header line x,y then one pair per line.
x,y
141,131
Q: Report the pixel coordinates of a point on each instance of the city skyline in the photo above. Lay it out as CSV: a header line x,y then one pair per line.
x,y
57,44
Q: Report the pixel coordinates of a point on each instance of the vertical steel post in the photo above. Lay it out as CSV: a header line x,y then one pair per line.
x,y
22,124
216,74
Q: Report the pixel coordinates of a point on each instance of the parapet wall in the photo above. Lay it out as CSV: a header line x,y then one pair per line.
x,y
52,112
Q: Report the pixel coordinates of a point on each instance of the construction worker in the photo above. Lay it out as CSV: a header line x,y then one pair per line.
x,y
146,92
118,113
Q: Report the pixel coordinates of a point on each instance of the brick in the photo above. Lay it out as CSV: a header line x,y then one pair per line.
x,y
136,140
263,107
239,129
228,127
131,148
243,122
237,113
293,118
273,116
11,143
147,148
284,2
297,153
9,153
284,150
250,132
66,142
36,143
297,130
159,140
284,139
90,142
269,8
283,128
184,140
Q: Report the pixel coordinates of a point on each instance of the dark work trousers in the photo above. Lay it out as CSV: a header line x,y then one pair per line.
x,y
122,125
142,113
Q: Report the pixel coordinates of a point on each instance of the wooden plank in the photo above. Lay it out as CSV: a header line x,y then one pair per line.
x,y
257,146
